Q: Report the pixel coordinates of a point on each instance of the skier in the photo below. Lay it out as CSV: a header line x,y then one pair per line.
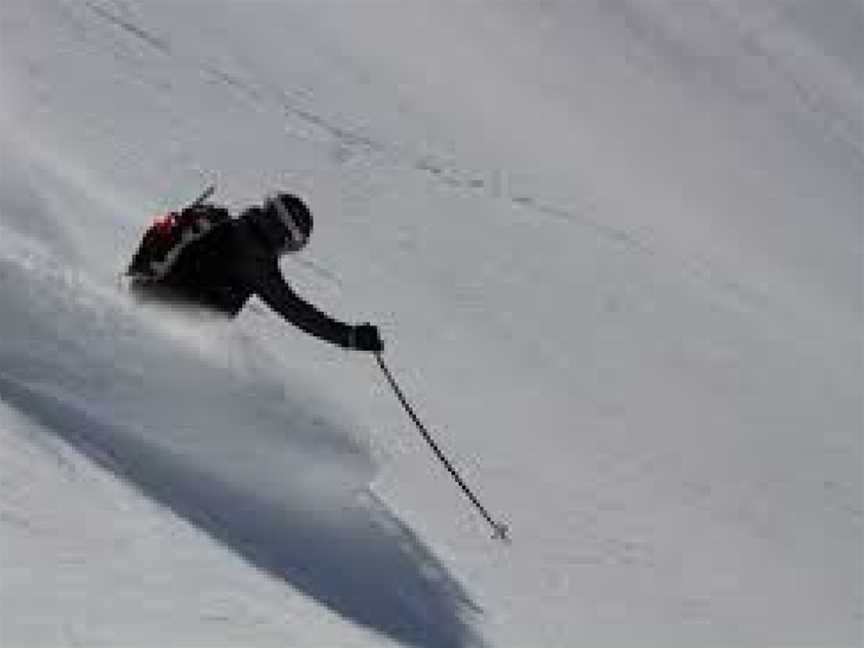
x,y
205,257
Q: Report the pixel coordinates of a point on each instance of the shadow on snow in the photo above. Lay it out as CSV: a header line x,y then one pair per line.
x,y
349,553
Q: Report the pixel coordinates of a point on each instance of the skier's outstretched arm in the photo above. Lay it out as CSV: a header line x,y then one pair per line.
x,y
279,296
271,288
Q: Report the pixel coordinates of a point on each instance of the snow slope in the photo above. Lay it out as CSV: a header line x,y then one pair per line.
x,y
615,249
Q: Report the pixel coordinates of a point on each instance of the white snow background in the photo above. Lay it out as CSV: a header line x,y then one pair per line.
x,y
615,251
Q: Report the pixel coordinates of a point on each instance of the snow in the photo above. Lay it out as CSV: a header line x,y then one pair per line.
x,y
615,251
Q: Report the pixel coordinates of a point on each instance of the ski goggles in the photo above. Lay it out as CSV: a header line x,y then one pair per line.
x,y
297,238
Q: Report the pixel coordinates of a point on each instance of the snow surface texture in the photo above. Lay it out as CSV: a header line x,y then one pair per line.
x,y
615,249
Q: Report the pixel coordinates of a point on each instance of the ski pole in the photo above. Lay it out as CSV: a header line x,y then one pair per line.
x,y
500,530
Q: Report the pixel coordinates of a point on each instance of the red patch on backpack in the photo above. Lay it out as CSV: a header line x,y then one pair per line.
x,y
163,223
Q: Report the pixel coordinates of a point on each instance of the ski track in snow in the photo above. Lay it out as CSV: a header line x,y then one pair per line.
x,y
448,174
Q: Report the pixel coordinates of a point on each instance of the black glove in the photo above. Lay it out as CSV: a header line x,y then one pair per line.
x,y
366,337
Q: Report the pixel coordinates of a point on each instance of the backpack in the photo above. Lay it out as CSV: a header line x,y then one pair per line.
x,y
168,235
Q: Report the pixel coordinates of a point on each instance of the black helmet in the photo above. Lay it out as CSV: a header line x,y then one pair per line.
x,y
287,222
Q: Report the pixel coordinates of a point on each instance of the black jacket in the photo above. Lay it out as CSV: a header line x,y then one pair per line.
x,y
227,266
